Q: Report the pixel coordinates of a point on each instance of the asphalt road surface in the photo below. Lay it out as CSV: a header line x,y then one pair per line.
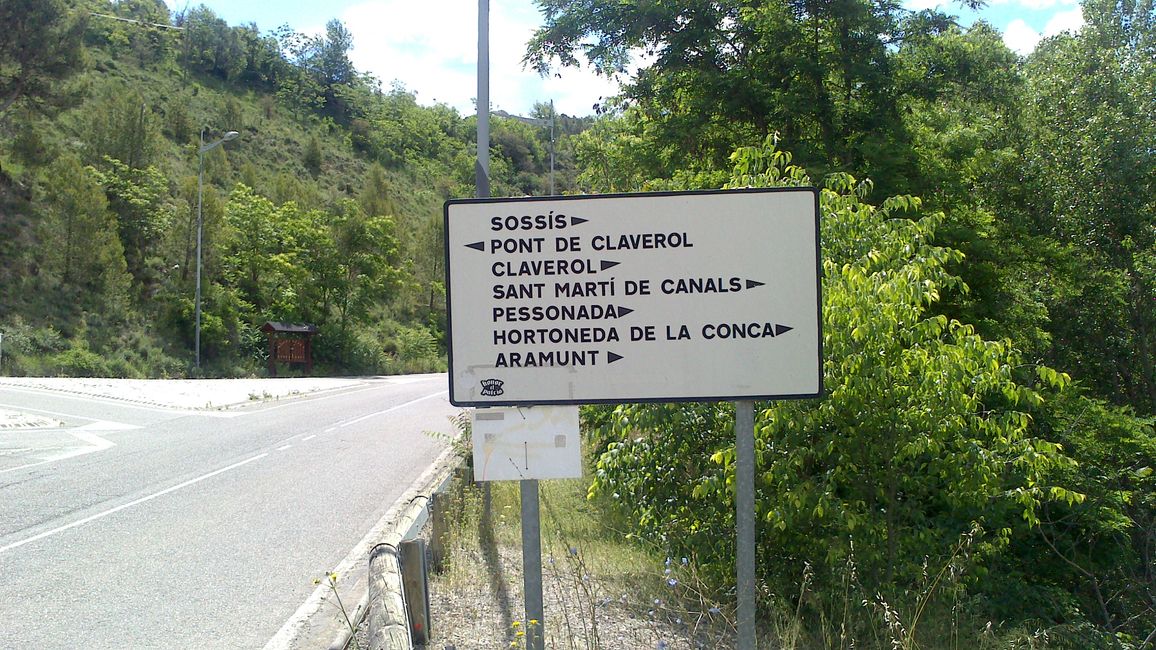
x,y
130,526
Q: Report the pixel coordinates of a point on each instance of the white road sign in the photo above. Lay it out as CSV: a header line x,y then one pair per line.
x,y
642,297
518,444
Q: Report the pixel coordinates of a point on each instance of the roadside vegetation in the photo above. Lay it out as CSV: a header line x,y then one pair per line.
x,y
982,469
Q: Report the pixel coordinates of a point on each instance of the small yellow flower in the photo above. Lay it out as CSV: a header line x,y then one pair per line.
x,y
517,624
533,621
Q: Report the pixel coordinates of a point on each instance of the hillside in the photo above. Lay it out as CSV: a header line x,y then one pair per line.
x,y
326,208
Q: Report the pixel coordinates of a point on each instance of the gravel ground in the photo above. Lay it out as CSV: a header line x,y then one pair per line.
x,y
598,611
598,590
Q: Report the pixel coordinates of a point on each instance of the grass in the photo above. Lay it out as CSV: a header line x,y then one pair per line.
x,y
601,589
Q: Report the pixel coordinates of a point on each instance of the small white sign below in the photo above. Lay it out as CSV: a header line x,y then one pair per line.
x,y
514,444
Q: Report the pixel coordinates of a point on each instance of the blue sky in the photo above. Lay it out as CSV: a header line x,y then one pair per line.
x,y
430,46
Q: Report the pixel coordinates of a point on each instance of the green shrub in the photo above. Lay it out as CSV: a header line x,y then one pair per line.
x,y
79,361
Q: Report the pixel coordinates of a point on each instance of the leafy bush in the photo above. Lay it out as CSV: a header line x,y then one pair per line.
x,y
416,350
79,361
919,462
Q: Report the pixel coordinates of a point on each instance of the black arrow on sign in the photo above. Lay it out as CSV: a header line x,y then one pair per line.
x,y
782,329
478,246
611,357
606,264
751,284
622,311
574,221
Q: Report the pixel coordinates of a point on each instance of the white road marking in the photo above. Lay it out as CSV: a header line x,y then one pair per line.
x,y
308,438
284,447
95,443
137,502
392,408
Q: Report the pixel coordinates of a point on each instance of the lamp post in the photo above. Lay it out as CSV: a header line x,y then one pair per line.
x,y
200,226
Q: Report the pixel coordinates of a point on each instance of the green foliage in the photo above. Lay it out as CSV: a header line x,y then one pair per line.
x,y
1095,554
120,125
41,46
312,157
723,73
415,349
1089,157
139,198
925,435
79,361
79,236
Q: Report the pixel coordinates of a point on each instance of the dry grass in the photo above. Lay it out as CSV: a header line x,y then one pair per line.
x,y
599,590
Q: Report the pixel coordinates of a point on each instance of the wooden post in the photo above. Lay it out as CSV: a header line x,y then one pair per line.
x,y
439,531
272,355
415,583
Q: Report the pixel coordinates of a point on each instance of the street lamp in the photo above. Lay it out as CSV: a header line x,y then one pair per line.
x,y
200,224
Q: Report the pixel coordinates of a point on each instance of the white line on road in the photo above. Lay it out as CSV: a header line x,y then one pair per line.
x,y
95,443
283,447
392,408
308,438
100,515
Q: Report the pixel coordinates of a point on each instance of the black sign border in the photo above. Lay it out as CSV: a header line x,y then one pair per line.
x,y
628,400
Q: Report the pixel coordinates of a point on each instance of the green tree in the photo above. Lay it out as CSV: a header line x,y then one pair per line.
x,y
210,45
922,446
140,200
254,260
78,239
311,159
721,73
361,270
119,124
42,44
1090,166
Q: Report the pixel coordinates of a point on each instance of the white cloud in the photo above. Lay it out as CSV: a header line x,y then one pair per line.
x,y
920,5
431,47
1020,37
1065,21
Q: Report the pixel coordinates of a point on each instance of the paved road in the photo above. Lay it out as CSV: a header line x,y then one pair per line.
x,y
141,527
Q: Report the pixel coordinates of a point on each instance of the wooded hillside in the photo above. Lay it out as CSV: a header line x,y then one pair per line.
x,y
325,209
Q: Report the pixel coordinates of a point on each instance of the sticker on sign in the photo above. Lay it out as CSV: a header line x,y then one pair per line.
x,y
637,297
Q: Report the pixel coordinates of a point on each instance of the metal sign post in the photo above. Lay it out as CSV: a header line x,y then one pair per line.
x,y
532,566
745,519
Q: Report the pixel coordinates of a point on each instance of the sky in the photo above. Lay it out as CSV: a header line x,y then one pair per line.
x,y
430,46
